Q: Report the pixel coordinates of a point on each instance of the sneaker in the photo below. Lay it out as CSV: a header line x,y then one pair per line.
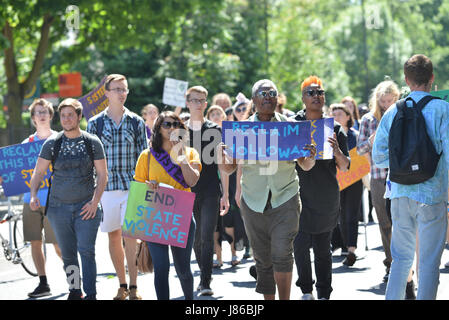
x,y
122,294
90,297
42,290
308,296
205,289
410,291
75,295
134,295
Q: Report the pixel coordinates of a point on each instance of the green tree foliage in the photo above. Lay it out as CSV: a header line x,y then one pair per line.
x,y
224,45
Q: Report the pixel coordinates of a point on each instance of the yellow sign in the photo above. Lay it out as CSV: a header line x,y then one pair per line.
x,y
359,168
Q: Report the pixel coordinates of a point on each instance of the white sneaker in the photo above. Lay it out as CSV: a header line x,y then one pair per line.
x,y
446,265
308,296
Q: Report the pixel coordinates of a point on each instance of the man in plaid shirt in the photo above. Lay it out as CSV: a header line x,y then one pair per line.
x,y
123,145
385,94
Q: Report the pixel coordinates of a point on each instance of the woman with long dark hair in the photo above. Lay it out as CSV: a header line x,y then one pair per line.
x,y
167,142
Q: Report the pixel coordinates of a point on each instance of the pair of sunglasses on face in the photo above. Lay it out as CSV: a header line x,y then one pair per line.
x,y
238,109
169,124
317,92
271,93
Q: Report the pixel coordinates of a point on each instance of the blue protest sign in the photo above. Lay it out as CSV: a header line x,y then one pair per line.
x,y
277,141
321,130
17,164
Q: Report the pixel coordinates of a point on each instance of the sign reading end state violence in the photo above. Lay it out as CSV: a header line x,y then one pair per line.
x,y
161,216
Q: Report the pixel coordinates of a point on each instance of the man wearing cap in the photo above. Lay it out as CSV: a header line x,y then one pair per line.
x,y
270,203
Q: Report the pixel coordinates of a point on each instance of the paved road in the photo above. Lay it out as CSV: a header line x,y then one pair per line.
x,y
363,281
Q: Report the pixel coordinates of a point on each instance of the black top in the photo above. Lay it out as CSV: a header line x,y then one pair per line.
x,y
319,191
205,143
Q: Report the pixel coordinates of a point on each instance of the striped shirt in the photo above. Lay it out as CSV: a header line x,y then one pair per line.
x,y
368,126
121,146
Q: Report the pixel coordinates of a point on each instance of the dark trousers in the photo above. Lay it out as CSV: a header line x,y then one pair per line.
x,y
205,213
350,202
323,262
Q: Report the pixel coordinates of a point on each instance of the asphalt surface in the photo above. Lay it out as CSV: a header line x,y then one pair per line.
x,y
363,281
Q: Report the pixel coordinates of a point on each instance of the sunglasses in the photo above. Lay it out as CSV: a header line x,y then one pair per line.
x,y
238,109
168,124
312,93
262,94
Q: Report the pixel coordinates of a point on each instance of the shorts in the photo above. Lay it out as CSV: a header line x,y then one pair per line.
x,y
114,209
34,222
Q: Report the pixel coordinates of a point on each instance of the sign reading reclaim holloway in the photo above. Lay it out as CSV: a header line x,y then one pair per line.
x,y
278,141
17,164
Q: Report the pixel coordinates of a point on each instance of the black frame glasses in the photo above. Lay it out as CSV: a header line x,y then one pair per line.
x,y
238,109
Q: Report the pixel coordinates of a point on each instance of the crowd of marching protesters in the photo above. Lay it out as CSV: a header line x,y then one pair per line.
x,y
277,218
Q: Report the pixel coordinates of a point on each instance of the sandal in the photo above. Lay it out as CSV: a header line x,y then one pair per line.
x,y
217,264
235,261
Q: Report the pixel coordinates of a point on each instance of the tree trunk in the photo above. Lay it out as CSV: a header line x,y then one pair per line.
x,y
16,90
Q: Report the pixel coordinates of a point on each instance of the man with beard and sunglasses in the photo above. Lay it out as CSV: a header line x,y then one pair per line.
x,y
319,213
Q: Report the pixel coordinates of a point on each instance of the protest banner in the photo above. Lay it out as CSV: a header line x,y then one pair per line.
x,y
161,216
277,141
17,164
443,94
321,130
359,168
174,92
95,101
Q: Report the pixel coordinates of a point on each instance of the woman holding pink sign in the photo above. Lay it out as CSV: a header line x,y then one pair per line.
x,y
167,139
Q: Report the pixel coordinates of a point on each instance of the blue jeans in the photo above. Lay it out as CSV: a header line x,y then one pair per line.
x,y
76,235
181,259
431,222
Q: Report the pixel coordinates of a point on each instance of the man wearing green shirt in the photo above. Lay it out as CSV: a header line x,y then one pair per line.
x,y
270,203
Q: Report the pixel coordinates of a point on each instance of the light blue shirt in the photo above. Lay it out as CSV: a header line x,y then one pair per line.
x,y
436,115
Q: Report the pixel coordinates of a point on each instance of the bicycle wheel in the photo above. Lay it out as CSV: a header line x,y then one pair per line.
x,y
23,248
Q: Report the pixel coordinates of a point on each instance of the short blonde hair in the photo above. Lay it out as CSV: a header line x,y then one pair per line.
x,y
113,77
45,103
199,89
70,102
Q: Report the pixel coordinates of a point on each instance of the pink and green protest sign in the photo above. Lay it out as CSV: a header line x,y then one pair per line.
x,y
161,216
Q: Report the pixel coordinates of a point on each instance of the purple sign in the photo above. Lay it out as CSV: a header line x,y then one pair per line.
x,y
95,101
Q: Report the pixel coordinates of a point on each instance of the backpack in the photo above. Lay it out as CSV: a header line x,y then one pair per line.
x,y
413,158
54,156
